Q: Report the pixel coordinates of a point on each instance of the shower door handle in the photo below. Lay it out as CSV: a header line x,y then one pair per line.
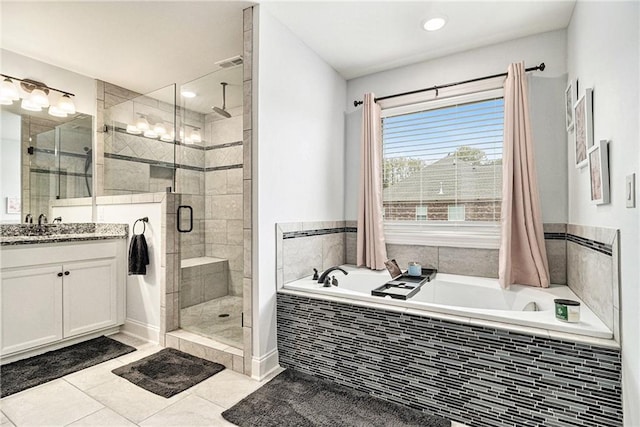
x,y
179,221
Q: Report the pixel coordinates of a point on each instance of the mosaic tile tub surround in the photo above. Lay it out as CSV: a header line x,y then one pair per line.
x,y
477,375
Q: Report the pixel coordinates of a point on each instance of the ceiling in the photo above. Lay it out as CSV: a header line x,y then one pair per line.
x,y
363,37
146,45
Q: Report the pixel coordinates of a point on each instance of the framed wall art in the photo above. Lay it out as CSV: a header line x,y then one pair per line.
x,y
583,126
598,158
569,101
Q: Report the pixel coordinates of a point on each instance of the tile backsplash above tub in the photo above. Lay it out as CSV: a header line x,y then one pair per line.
x,y
585,258
303,246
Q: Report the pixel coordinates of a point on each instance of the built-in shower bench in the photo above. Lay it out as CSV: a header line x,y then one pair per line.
x,y
203,279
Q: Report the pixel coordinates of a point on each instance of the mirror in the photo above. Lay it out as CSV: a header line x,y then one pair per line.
x,y
43,158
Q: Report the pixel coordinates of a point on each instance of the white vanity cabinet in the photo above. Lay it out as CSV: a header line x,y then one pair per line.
x,y
54,292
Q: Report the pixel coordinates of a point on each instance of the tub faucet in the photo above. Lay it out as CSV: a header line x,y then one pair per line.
x,y
42,219
325,274
28,219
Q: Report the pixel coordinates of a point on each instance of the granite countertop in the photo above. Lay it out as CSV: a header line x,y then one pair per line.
x,y
28,234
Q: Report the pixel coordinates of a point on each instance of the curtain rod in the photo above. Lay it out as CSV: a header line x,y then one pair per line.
x,y
540,67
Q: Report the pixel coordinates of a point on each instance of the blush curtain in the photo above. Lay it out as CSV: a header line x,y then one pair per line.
x,y
371,249
523,257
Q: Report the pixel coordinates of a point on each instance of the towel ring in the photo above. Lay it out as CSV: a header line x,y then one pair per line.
x,y
144,221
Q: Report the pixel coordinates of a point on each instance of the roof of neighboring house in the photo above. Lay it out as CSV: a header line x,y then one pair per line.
x,y
459,180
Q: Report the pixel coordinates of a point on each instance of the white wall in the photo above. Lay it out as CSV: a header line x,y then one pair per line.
x,y
10,163
603,53
143,292
549,48
299,143
22,67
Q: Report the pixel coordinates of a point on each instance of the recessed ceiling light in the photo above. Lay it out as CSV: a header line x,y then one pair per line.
x,y
188,94
434,24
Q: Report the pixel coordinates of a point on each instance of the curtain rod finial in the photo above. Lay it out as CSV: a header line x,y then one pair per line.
x,y
356,103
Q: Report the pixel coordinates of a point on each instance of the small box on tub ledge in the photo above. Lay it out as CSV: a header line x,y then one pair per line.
x,y
567,310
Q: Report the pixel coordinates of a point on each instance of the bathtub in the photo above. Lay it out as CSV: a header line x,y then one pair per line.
x,y
466,299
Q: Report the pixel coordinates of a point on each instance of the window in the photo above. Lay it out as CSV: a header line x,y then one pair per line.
x,y
421,213
455,213
444,157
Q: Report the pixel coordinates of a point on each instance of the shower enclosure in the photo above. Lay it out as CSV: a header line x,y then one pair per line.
x,y
180,139
56,161
212,255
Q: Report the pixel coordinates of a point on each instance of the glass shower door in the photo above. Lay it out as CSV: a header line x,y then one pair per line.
x,y
209,180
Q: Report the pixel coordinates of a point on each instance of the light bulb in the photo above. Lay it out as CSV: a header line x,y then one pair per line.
x,y
9,90
39,97
5,101
159,128
133,130
167,137
188,94
66,104
26,104
434,24
150,134
142,123
56,112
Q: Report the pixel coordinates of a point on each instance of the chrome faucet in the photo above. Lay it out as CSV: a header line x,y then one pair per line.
x,y
42,219
57,219
324,275
28,219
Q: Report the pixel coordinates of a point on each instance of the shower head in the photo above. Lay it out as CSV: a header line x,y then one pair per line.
x,y
223,111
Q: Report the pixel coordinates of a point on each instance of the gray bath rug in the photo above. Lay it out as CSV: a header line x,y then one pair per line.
x,y
294,399
27,373
168,372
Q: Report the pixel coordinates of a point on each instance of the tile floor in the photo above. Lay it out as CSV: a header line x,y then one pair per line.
x,y
97,397
204,319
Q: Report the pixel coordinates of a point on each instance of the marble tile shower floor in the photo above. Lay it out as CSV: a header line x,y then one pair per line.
x,y
205,319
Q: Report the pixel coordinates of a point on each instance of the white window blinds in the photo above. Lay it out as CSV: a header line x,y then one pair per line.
x,y
444,155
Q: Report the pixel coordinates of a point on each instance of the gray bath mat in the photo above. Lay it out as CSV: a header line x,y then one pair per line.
x,y
294,399
27,373
168,372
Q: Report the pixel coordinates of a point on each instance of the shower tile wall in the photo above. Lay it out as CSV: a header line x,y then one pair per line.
x,y
223,188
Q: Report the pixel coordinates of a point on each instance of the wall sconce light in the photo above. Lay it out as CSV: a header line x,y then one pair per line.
x,y
36,96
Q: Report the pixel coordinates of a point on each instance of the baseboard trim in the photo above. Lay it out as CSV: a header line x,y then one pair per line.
x,y
141,330
263,366
57,345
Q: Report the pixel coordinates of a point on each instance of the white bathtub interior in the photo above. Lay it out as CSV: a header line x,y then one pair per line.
x,y
466,298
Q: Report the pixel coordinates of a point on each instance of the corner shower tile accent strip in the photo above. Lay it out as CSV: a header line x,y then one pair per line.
x,y
219,146
308,233
477,375
194,146
222,168
58,172
152,162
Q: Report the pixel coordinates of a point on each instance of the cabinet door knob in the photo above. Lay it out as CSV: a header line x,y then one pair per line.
x,y
66,273
59,274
